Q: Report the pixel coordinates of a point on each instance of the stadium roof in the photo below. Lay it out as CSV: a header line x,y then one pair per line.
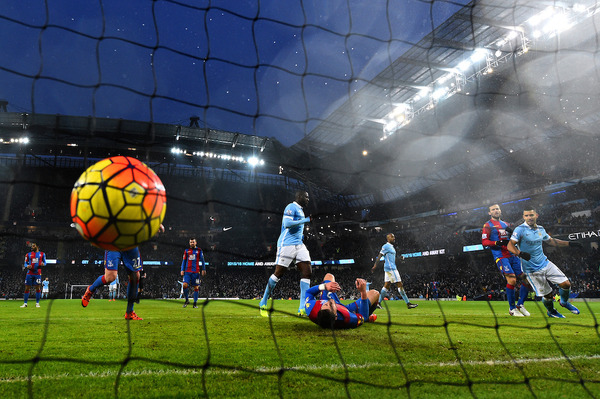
x,y
507,79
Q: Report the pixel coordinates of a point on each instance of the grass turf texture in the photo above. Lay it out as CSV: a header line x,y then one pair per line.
x,y
225,349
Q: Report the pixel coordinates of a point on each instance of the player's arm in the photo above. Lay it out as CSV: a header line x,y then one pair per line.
x,y
203,263
376,262
486,233
288,221
27,264
555,242
43,260
183,262
512,248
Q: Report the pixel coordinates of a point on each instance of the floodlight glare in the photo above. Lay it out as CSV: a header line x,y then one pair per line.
x,y
479,54
253,161
463,66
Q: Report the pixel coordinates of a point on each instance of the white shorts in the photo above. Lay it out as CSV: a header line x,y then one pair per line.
x,y
540,280
393,277
44,290
112,287
285,255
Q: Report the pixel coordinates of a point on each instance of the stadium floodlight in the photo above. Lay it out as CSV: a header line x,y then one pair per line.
x,y
541,16
439,93
390,126
498,53
253,161
558,23
463,66
479,55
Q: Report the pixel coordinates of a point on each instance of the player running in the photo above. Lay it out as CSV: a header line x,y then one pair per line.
x,y
193,258
388,252
133,263
323,306
289,248
34,261
494,235
539,270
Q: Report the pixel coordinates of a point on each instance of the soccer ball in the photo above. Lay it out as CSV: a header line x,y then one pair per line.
x,y
118,203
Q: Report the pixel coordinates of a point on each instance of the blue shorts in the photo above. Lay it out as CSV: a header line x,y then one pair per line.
x,y
130,258
354,307
510,265
192,279
32,279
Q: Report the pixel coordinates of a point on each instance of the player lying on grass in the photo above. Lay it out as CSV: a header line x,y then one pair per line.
x,y
329,312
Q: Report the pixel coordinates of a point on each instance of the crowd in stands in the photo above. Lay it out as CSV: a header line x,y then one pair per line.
x,y
235,223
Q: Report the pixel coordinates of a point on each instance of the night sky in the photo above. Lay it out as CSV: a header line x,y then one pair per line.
x,y
274,71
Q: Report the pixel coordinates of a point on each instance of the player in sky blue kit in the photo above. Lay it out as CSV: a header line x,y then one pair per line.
x,y
133,263
45,288
193,259
324,308
112,289
289,248
388,252
34,261
495,235
539,270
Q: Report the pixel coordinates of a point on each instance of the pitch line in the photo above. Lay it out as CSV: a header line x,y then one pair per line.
x,y
330,367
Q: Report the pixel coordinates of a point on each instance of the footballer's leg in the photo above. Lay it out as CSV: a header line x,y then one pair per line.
x,y
273,280
306,271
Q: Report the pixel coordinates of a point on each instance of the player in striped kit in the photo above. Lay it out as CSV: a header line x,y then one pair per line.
x,y
495,235
193,259
34,261
291,248
133,263
323,306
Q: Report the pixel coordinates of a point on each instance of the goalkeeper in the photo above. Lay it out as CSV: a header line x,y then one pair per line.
x,y
328,312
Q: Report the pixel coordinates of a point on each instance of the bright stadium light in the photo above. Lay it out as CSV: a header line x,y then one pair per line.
x,y
463,66
439,93
479,55
253,161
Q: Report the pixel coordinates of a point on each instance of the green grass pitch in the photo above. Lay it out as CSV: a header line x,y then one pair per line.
x,y
225,349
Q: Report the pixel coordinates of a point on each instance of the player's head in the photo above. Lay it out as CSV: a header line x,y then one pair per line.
x,y
302,198
34,246
193,243
327,315
46,278
494,211
530,216
391,238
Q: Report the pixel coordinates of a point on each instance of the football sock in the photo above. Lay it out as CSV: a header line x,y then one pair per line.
x,y
186,294
132,289
268,289
384,294
523,292
403,295
564,294
38,295
549,304
25,297
195,296
510,295
304,285
100,281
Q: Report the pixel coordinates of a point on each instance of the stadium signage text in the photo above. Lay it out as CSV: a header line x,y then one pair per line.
x,y
584,234
441,251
